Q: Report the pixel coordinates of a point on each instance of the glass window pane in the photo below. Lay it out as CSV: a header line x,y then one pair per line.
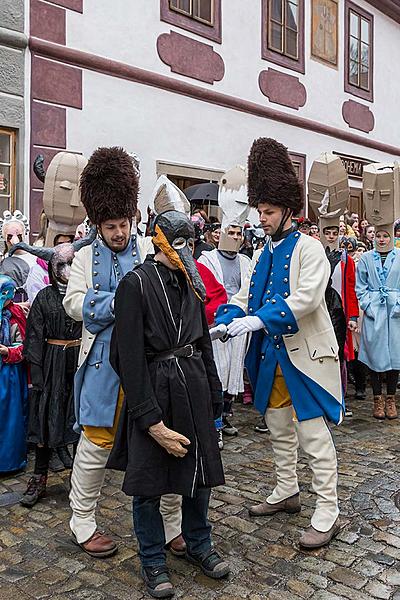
x,y
353,72
291,15
354,50
4,180
203,10
276,10
364,77
365,54
365,31
275,38
354,19
291,43
4,148
183,5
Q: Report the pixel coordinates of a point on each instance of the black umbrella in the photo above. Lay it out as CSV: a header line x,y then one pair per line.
x,y
201,192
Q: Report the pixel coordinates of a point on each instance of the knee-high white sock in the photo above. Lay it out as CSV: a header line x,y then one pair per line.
x,y
86,483
284,445
316,440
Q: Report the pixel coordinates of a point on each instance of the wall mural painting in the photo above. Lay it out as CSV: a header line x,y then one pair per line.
x,y
324,31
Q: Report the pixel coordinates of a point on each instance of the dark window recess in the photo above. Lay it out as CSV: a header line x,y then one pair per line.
x,y
283,33
358,52
198,16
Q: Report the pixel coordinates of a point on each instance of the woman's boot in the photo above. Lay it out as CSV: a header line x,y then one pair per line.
x,y
36,489
391,410
379,407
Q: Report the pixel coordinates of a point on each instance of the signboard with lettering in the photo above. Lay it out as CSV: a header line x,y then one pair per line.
x,y
354,165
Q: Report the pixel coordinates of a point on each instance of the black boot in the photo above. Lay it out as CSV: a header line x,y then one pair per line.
x,y
55,463
65,457
36,489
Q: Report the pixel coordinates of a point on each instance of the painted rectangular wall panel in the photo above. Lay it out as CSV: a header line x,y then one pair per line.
x,y
48,125
55,82
47,22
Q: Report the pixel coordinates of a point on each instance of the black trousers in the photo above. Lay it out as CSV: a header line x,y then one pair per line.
x,y
392,378
42,458
360,372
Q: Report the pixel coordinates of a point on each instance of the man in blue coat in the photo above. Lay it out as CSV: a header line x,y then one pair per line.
x,y
109,189
292,360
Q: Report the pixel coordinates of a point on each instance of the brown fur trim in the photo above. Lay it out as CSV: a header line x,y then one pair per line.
x,y
109,185
271,176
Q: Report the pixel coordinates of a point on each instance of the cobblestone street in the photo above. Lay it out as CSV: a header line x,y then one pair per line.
x,y
37,559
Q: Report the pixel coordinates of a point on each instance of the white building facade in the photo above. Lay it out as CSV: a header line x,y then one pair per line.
x,y
189,84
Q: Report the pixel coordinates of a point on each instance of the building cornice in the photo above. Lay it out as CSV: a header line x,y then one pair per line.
x,y
390,8
13,39
121,70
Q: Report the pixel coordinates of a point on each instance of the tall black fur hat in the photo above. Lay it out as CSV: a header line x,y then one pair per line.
x,y
109,185
271,176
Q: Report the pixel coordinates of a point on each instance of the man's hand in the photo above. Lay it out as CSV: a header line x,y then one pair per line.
x,y
244,325
172,441
353,326
3,350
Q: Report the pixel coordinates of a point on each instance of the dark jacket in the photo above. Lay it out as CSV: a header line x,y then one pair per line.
x,y
51,408
154,314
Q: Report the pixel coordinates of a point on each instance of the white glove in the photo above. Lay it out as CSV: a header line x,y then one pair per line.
x,y
218,332
244,325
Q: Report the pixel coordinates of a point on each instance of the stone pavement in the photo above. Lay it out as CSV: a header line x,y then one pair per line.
x,y
37,559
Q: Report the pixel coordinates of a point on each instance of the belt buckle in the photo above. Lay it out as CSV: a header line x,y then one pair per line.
x,y
191,350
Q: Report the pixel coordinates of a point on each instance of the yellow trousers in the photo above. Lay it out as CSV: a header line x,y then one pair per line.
x,y
280,397
104,436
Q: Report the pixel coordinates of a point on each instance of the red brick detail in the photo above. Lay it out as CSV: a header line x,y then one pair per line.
x,y
76,5
47,22
282,88
48,125
358,116
189,57
57,83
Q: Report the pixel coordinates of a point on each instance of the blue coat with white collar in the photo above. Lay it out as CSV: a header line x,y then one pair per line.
x,y
286,291
95,274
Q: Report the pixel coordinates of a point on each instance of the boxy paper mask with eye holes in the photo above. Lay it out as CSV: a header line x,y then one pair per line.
x,y
381,194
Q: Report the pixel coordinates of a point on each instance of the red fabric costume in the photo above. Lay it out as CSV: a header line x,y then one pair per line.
x,y
350,302
17,318
215,292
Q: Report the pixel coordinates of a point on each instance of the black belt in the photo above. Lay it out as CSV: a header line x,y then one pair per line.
x,y
183,352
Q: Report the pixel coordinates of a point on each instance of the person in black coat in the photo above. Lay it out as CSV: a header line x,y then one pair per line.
x,y
166,441
51,348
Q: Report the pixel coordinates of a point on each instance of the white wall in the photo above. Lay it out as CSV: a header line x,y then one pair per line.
x,y
127,30
160,125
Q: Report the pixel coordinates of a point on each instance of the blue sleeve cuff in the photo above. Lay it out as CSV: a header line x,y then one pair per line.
x,y
277,317
97,310
227,312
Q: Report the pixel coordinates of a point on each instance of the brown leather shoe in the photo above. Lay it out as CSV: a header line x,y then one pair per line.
x,y
312,538
289,505
177,546
391,410
98,546
379,407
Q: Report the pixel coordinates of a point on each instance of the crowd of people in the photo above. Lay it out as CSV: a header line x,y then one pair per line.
x,y
127,350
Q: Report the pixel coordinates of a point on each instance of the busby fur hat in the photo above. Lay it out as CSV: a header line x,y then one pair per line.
x,y
271,176
109,185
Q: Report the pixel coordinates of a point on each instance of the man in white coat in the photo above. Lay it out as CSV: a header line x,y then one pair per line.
x,y
109,188
292,360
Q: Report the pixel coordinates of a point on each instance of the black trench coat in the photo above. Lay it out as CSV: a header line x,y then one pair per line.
x,y
185,393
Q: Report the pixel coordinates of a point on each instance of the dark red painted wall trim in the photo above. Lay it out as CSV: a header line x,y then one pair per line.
x,y
131,73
